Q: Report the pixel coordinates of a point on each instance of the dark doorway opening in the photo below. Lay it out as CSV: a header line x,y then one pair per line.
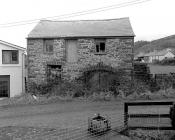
x,y
4,86
54,73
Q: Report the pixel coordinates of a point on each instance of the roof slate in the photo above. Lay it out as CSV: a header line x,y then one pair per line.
x,y
82,28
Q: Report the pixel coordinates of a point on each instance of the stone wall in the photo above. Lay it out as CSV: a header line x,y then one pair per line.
x,y
37,59
118,54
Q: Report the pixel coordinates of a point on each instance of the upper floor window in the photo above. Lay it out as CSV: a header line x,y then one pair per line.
x,y
48,46
10,57
100,46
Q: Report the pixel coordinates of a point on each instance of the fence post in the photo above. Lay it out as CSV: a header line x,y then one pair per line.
x,y
126,115
172,115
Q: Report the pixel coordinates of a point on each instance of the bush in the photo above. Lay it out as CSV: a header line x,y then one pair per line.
x,y
19,99
147,95
40,89
153,86
151,135
101,96
65,88
168,61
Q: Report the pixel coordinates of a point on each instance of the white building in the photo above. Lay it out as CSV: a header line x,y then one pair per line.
x,y
12,72
159,55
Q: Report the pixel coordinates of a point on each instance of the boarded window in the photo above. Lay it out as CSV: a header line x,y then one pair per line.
x,y
48,46
4,85
10,57
71,50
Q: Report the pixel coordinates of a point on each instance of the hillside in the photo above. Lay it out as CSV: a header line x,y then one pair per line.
x,y
159,44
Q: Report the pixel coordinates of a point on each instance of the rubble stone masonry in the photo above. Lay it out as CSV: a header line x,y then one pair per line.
x,y
118,54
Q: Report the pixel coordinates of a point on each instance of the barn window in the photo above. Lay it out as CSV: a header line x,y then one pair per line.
x,y
100,46
48,46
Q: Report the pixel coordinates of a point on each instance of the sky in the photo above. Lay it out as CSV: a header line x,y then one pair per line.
x,y
150,19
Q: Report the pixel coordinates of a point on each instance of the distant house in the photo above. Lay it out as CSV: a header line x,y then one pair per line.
x,y
66,49
139,57
158,55
11,69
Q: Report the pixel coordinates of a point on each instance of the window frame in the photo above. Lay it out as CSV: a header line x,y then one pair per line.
x,y
46,43
11,57
98,42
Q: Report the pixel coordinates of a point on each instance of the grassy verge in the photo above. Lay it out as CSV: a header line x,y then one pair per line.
x,y
26,99
151,135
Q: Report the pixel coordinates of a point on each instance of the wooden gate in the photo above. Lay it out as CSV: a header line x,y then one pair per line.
x,y
140,116
99,80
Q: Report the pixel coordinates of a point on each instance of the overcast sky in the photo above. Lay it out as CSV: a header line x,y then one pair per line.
x,y
150,20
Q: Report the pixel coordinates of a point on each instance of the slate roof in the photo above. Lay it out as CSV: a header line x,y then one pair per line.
x,y
160,53
82,28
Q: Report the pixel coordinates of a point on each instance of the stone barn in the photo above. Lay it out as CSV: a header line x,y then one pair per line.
x,y
66,50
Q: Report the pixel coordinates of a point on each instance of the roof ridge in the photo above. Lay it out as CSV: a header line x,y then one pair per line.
x,y
43,20
5,42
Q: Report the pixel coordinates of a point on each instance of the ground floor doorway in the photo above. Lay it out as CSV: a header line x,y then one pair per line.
x,y
4,86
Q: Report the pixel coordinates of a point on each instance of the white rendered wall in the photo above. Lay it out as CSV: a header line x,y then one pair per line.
x,y
15,71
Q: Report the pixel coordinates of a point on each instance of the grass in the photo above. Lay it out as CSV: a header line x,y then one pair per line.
x,y
59,116
152,135
160,69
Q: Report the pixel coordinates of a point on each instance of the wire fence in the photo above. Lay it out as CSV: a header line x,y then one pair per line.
x,y
80,130
145,117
